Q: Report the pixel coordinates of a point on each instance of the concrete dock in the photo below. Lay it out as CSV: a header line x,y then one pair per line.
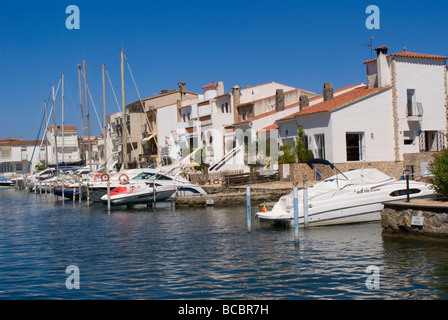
x,y
217,195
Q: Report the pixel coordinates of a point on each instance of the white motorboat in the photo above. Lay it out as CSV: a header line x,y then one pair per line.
x,y
346,198
6,183
138,194
144,177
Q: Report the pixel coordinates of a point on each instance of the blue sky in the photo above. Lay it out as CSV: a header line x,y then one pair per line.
x,y
297,43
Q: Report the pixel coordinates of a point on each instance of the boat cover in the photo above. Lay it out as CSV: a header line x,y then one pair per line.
x,y
361,178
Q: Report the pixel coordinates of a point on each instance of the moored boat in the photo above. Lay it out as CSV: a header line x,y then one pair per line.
x,y
139,194
346,198
6,183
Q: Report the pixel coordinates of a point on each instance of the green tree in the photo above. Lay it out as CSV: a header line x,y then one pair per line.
x,y
439,168
288,155
302,154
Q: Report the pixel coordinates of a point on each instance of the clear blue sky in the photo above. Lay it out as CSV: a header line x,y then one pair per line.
x,y
297,43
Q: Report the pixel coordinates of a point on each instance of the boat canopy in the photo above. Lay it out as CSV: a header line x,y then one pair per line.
x,y
319,161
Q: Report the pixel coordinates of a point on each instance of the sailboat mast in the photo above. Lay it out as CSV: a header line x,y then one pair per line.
x,y
55,131
87,115
46,140
82,114
104,120
63,120
125,125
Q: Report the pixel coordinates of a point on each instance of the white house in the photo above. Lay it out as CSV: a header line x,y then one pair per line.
x,y
16,156
67,144
401,110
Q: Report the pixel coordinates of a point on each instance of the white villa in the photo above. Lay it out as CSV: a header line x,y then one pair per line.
x,y
16,155
402,110
67,144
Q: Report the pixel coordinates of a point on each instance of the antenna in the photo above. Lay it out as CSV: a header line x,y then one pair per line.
x,y
369,46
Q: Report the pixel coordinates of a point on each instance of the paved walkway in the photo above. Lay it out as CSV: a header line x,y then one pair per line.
x,y
421,203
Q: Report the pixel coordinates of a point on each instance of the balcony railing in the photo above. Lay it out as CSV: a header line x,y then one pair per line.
x,y
414,111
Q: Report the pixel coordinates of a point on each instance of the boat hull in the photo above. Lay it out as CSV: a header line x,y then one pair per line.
x,y
140,198
350,209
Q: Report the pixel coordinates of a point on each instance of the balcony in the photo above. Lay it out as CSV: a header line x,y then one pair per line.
x,y
414,112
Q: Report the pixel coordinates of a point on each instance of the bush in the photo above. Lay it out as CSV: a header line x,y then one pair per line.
x,y
439,168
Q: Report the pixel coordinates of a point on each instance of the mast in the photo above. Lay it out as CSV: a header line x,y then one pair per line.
x,y
82,114
87,116
125,124
104,121
46,140
63,121
55,132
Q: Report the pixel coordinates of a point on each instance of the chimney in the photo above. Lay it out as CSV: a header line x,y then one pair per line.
x,y
182,90
236,101
220,88
164,91
303,102
383,73
328,91
280,100
179,106
182,86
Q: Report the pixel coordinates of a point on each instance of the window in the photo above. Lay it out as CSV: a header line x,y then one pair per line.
x,y
411,100
320,146
409,137
6,168
225,108
355,146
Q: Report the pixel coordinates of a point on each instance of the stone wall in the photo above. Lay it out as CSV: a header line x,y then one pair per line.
x,y
294,172
397,219
416,159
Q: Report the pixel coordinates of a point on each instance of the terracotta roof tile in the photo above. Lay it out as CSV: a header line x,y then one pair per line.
x,y
269,128
417,55
336,102
266,114
407,54
210,86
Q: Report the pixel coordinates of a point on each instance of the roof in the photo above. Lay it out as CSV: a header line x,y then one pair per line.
x,y
269,128
17,143
336,102
407,54
417,55
266,114
66,128
210,86
262,99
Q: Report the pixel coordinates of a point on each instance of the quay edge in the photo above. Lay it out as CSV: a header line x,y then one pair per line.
x,y
231,198
424,218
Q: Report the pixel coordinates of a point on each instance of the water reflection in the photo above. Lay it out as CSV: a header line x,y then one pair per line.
x,y
167,253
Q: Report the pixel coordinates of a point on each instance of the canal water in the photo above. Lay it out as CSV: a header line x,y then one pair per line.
x,y
201,254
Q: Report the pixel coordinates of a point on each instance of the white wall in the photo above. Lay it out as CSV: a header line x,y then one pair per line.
x,y
426,77
372,116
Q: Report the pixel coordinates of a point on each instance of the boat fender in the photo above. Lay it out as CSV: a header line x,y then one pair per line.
x,y
97,176
264,210
105,177
124,179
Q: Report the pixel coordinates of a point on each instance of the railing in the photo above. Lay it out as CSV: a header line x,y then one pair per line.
x,y
414,110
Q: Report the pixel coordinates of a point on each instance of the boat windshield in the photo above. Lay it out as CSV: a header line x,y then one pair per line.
x,y
151,176
144,176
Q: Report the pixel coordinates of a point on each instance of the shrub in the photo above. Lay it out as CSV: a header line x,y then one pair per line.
x,y
439,168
